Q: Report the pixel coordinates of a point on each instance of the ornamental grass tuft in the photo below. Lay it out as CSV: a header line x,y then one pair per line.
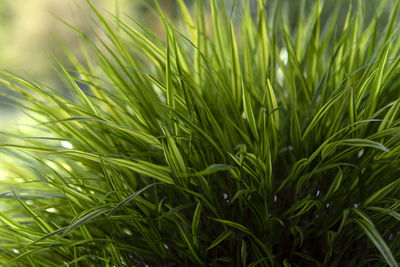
x,y
250,134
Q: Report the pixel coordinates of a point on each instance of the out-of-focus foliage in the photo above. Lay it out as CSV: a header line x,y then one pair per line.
x,y
31,32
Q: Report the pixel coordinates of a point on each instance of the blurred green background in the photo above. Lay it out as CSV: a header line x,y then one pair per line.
x,y
30,30
31,34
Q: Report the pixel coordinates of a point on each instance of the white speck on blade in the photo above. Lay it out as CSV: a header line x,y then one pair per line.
x,y
16,251
284,56
356,205
360,153
317,194
225,195
29,202
66,144
127,231
51,210
327,205
275,198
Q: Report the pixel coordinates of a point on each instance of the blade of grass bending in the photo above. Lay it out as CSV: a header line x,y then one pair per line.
x,y
187,18
189,243
378,195
195,223
235,225
78,90
368,227
236,79
248,111
212,169
223,236
329,148
126,200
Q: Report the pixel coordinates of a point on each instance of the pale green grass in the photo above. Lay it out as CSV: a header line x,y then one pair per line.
x,y
244,142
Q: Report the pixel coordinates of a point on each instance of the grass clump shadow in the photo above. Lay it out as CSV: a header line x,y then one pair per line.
x,y
247,136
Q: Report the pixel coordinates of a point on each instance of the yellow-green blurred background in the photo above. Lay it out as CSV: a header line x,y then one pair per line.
x,y
30,30
31,34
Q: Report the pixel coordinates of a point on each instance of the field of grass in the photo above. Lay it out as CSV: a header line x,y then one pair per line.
x,y
259,134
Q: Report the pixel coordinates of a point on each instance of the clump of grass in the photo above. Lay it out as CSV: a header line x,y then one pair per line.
x,y
236,140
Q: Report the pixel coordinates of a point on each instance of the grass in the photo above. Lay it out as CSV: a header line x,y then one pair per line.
x,y
262,136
